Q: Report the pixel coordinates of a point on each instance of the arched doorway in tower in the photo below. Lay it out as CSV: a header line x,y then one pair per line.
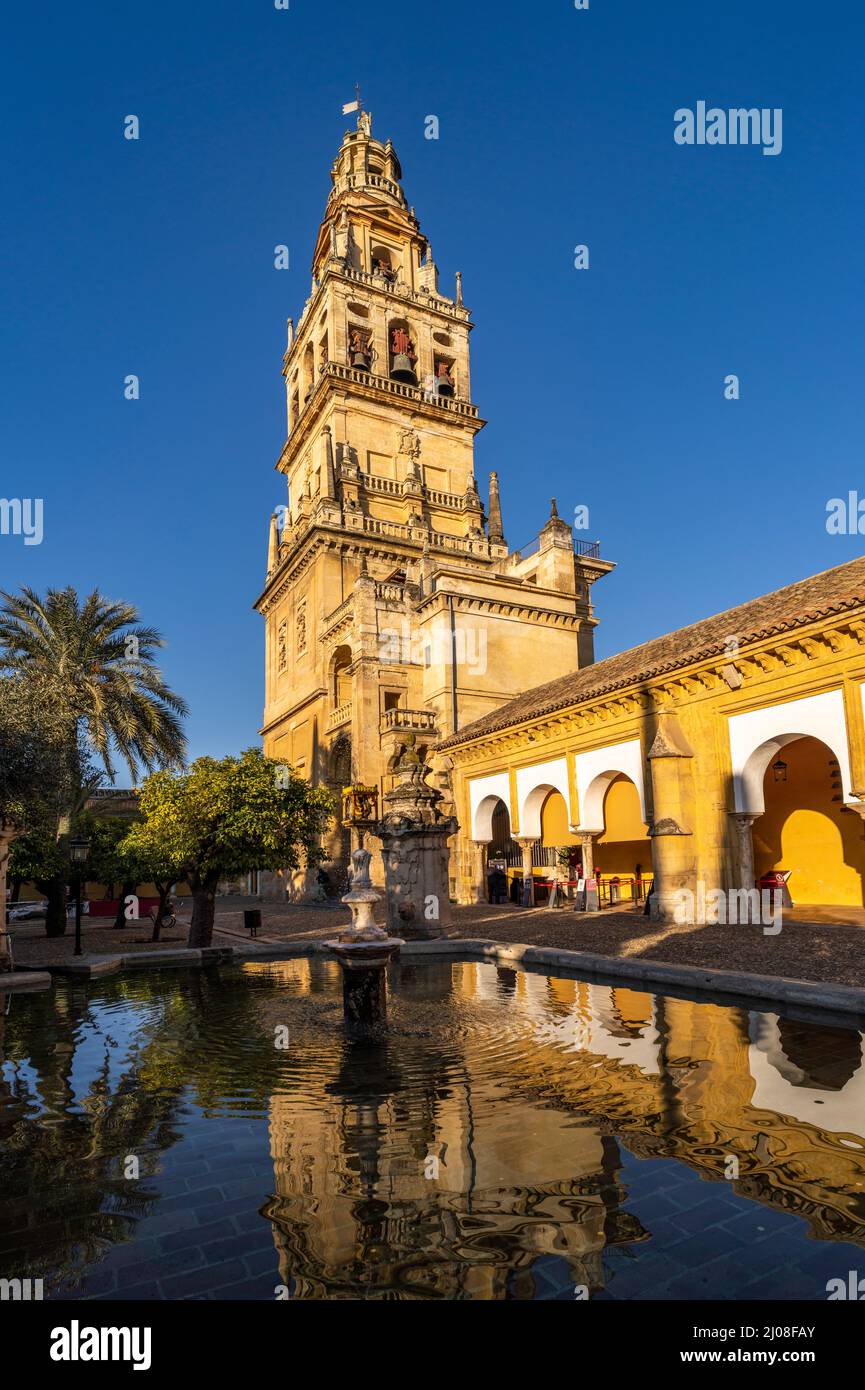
x,y
623,850
341,680
806,829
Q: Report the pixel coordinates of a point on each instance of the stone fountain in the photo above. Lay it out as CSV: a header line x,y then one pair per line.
x,y
414,833
363,949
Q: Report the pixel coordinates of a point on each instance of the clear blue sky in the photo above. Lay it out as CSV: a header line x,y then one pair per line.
x,y
603,387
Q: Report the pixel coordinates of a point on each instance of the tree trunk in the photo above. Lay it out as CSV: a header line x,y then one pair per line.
x,y
203,907
162,908
55,913
17,884
5,939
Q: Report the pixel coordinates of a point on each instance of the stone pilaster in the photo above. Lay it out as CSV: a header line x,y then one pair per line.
x,y
743,824
673,850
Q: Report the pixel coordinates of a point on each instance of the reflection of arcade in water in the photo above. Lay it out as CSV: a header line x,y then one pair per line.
x,y
488,1155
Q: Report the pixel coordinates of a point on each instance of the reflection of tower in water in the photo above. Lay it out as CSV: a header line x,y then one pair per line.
x,y
423,1182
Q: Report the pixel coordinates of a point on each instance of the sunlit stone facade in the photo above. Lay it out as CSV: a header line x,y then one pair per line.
x,y
712,756
392,602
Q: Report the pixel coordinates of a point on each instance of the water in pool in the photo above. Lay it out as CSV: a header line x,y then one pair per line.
x,y
213,1134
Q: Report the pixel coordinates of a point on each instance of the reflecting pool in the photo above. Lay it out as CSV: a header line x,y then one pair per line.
x,y
213,1134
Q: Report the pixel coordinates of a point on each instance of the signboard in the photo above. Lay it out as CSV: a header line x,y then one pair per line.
x,y
526,893
591,895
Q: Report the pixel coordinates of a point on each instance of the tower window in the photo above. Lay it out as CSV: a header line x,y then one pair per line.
x,y
383,263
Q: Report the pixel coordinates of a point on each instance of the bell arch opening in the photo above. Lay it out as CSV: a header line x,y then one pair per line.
x,y
340,677
402,352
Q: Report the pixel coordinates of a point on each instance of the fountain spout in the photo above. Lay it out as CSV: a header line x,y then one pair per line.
x,y
363,950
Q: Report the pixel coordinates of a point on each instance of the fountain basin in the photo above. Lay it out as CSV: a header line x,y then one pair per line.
x,y
363,960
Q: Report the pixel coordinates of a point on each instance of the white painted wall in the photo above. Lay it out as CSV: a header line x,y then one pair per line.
x,y
533,786
595,772
756,740
780,1086
484,792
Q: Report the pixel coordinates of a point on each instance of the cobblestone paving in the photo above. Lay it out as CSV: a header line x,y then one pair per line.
x,y
804,949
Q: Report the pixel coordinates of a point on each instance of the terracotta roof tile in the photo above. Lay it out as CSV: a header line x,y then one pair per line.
x,y
833,591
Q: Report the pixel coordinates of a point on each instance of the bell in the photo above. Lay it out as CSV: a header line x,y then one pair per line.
x,y
402,369
360,359
445,386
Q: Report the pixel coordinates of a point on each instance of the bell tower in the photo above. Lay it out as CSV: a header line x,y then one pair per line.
x,y
391,605
380,357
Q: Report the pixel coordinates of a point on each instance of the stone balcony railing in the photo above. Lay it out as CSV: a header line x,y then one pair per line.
x,y
387,592
296,533
391,487
334,618
400,290
363,178
454,404
302,413
418,721
341,715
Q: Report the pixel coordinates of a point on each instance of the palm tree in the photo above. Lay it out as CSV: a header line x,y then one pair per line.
x,y
99,661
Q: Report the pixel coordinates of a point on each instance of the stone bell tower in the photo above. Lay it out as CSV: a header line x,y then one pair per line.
x,y
392,607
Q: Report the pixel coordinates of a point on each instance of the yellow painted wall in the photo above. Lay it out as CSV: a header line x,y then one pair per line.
x,y
554,822
804,830
625,842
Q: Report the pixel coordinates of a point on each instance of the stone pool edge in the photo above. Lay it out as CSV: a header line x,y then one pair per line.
x,y
845,999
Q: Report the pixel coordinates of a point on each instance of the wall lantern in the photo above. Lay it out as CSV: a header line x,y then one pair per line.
x,y
779,770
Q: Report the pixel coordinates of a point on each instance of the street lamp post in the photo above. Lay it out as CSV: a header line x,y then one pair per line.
x,y
79,851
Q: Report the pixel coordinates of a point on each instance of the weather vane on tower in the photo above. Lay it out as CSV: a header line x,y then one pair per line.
x,y
364,119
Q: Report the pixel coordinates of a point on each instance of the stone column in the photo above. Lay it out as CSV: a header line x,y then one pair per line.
x,y
743,821
526,846
480,852
587,841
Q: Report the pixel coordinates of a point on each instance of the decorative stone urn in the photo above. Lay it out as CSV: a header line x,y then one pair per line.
x,y
363,951
414,835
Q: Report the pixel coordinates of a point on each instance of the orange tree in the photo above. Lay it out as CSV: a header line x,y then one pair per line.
x,y
225,817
